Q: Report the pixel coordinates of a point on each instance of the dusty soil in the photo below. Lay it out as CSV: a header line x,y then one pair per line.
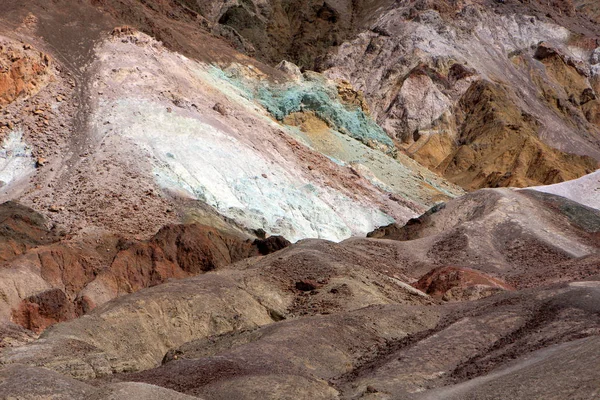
x,y
500,232
326,320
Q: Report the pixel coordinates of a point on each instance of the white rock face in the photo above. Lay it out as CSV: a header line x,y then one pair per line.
x,y
422,102
15,159
595,57
237,180
290,68
239,161
585,190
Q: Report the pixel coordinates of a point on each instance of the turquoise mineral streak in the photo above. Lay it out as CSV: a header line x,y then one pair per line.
x,y
314,94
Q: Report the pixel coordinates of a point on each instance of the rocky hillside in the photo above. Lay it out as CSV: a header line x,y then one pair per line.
x,y
365,199
105,115
326,320
500,94
422,65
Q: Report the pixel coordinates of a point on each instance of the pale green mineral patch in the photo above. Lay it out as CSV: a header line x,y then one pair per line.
x,y
313,93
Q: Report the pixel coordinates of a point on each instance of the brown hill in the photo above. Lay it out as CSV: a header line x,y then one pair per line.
x,y
47,280
504,232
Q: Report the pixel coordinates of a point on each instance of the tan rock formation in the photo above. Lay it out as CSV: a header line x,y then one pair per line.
x,y
418,65
499,146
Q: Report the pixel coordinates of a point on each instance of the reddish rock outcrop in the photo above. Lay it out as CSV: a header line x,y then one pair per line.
x,y
20,230
178,251
175,252
42,310
23,71
66,267
68,278
456,284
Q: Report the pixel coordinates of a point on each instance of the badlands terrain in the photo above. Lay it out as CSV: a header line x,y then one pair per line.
x,y
285,199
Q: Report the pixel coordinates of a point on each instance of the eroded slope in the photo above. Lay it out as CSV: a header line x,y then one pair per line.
x,y
488,95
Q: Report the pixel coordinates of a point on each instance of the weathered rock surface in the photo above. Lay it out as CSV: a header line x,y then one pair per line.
x,y
318,349
46,280
503,330
589,7
503,232
300,31
388,350
123,136
24,382
459,284
326,320
487,95
82,170
280,181
500,146
521,379
249,294
23,71
21,229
